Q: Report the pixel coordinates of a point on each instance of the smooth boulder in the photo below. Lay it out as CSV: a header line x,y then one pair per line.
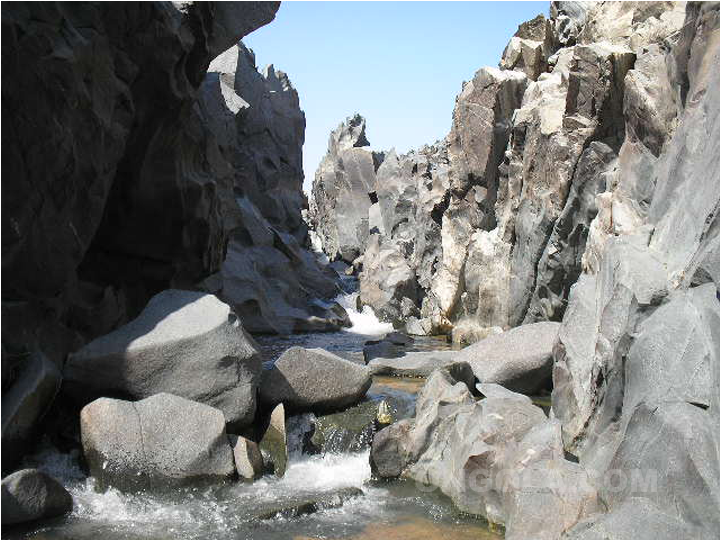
x,y
163,441
186,343
413,364
248,458
30,495
313,380
520,359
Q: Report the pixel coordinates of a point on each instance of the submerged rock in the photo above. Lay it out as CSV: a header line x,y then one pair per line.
x,y
186,343
30,495
300,506
160,442
520,359
313,380
274,443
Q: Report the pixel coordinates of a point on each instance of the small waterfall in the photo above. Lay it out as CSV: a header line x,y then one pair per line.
x,y
364,322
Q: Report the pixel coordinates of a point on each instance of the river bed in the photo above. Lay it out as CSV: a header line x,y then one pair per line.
x,y
354,505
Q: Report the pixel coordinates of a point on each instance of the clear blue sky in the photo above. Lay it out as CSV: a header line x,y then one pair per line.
x,y
399,64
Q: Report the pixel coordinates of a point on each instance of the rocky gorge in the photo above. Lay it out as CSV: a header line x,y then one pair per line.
x,y
171,338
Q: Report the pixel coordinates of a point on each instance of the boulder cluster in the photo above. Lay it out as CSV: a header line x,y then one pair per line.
x,y
152,218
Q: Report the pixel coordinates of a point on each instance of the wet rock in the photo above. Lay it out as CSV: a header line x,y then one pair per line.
x,y
389,450
25,403
30,495
350,430
186,343
300,506
381,349
390,346
160,442
248,458
274,443
520,359
313,380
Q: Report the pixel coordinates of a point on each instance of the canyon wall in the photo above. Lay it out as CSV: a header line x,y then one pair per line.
x,y
142,151
487,229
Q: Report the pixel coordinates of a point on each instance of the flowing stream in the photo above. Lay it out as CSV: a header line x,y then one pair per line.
x,y
353,505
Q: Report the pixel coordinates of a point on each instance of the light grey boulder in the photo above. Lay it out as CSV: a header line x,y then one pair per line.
x,y
160,442
25,403
520,359
313,380
247,456
274,443
186,343
413,364
637,518
30,495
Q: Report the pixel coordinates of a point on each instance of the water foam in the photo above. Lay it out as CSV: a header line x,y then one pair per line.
x,y
364,322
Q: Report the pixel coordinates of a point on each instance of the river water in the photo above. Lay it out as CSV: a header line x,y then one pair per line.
x,y
354,506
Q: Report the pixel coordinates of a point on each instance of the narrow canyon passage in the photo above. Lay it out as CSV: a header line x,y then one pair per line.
x,y
510,332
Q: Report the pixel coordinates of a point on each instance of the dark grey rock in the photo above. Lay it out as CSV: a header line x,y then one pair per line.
x,y
25,403
160,442
186,343
389,450
303,505
30,495
313,380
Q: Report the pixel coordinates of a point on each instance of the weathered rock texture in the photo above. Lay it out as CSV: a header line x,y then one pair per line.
x,y
29,495
132,164
313,380
160,442
269,279
605,218
186,343
487,228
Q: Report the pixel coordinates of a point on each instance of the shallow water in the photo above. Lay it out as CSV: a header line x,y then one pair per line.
x,y
384,510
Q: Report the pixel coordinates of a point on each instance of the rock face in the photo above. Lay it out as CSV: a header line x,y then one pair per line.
x,y
520,359
186,343
160,442
30,495
342,191
487,229
606,220
313,380
268,277
127,140
174,164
